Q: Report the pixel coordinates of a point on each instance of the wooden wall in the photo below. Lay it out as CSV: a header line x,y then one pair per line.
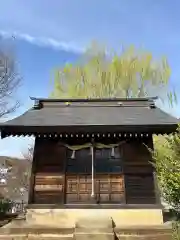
x,y
48,172
138,173
134,184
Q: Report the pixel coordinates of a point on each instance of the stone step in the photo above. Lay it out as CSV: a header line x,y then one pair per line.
x,y
37,237
35,231
90,236
144,233
143,230
94,228
21,231
94,234
94,222
144,237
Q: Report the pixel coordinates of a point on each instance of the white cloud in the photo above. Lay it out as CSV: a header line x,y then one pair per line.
x,y
42,41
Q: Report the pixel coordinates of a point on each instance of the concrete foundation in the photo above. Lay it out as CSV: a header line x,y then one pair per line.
x,y
67,218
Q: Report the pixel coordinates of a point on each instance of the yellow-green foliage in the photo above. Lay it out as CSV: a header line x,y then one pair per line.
x,y
133,73
167,158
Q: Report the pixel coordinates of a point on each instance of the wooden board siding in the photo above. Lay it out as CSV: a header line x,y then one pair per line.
x,y
136,158
49,173
50,156
140,189
48,188
138,171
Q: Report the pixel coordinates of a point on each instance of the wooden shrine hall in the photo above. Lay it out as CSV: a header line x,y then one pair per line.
x,y
92,155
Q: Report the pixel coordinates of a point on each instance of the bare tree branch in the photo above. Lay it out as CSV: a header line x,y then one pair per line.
x,y
9,82
29,154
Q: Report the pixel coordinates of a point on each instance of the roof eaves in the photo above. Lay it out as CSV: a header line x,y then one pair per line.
x,y
92,99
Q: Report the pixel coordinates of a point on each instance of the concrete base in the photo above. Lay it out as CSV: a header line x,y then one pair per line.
x,y
67,218
87,228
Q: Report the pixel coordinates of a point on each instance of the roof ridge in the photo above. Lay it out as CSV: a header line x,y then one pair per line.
x,y
93,99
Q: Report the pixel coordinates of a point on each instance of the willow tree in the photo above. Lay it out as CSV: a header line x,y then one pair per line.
x,y
133,73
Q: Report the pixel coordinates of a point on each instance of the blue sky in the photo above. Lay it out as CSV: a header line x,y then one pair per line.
x,y
50,33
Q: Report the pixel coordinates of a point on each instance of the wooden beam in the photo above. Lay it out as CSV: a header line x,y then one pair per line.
x,y
156,186
32,177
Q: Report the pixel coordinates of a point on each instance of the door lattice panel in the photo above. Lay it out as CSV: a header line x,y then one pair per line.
x,y
78,188
108,188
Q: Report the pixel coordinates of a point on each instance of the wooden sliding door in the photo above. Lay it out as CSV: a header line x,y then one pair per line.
x,y
78,188
78,177
109,188
108,178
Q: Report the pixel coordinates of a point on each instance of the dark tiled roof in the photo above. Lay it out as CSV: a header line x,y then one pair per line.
x,y
99,112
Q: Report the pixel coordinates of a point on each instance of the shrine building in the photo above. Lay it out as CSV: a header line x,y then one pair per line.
x,y
91,156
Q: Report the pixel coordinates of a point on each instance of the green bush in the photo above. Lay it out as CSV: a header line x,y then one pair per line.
x,y
176,230
167,163
5,206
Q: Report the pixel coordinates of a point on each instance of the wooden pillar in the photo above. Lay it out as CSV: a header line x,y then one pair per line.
x,y
123,174
156,189
93,198
65,178
156,186
32,177
92,173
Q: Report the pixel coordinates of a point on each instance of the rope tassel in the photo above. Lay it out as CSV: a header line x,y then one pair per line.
x,y
73,156
113,152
